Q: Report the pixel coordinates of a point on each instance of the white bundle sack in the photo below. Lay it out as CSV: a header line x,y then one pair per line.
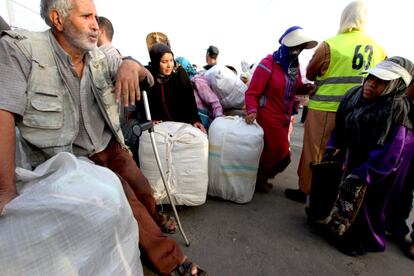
x,y
183,150
21,157
71,218
228,87
234,154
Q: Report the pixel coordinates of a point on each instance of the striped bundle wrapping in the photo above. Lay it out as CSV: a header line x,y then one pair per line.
x,y
234,153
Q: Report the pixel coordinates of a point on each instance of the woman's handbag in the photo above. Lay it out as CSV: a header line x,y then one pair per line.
x,y
326,178
346,208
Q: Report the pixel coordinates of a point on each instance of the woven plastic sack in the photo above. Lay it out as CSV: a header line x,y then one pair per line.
x,y
228,87
234,154
183,150
71,218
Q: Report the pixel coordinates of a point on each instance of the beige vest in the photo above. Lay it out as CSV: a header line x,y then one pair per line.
x,y
50,123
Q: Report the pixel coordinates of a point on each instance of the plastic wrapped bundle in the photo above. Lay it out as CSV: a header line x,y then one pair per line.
x,y
234,155
71,218
183,151
228,87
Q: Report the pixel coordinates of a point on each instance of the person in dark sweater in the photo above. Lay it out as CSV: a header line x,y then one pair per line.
x,y
171,98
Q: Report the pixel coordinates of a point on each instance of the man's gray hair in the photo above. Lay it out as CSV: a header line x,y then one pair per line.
x,y
63,7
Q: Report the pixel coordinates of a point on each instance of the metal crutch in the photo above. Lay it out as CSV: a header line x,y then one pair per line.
x,y
157,158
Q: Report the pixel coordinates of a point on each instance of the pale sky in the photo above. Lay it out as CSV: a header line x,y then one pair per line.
x,y
242,29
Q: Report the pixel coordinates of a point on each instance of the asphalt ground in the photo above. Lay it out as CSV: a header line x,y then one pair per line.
x,y
271,236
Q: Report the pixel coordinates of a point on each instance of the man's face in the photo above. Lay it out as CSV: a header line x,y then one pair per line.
x,y
210,60
80,28
373,87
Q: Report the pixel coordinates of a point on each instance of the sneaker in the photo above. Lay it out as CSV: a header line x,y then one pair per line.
x,y
296,195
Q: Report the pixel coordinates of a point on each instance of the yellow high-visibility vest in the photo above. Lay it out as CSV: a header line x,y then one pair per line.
x,y
350,54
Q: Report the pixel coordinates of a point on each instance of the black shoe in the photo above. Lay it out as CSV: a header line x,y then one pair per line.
x,y
263,187
408,249
262,184
296,195
409,252
352,251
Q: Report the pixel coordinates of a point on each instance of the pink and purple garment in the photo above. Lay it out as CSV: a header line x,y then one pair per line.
x,y
206,98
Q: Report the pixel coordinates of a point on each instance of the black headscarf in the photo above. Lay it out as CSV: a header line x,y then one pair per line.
x,y
362,122
171,98
156,52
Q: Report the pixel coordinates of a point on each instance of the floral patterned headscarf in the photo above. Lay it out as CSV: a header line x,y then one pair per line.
x,y
188,67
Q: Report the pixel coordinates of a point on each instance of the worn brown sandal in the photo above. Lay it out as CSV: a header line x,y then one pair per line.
x,y
168,224
186,268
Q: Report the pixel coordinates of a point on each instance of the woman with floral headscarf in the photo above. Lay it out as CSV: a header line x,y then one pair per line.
x,y
373,130
171,97
269,100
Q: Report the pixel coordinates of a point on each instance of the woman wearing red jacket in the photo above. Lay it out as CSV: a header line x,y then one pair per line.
x,y
269,100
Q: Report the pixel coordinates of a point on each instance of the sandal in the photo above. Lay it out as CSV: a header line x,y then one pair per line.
x,y
168,224
186,268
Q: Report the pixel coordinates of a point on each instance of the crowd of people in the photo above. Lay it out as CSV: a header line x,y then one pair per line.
x,y
64,94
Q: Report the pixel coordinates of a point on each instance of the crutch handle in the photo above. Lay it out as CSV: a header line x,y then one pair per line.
x,y
157,159
138,129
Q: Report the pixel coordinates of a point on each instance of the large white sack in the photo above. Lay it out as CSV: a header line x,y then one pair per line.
x,y
183,151
21,157
71,218
234,154
227,85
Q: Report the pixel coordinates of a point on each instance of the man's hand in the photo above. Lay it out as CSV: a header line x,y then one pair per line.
x,y
250,118
332,155
6,197
127,82
309,89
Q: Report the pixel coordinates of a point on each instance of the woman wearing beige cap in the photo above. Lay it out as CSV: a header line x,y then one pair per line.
x,y
374,131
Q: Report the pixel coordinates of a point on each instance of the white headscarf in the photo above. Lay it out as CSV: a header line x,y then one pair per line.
x,y
354,17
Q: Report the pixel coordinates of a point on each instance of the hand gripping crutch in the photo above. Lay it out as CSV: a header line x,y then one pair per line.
x,y
157,158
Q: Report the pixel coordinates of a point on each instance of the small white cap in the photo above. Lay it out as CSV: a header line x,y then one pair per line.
x,y
298,37
388,70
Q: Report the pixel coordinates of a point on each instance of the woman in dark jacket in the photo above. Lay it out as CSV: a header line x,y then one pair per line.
x,y
171,98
